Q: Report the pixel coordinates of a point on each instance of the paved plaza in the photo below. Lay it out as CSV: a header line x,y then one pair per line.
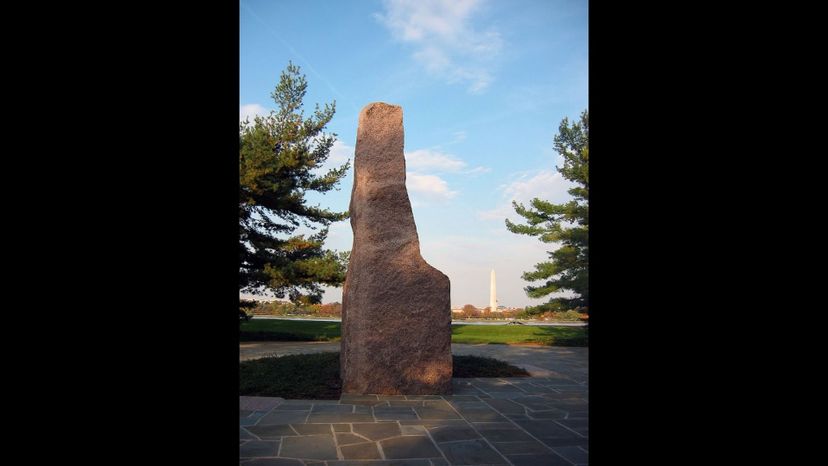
x,y
521,421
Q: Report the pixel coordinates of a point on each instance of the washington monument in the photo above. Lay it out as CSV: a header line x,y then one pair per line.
x,y
493,294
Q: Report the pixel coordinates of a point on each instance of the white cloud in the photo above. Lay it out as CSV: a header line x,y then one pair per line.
x,y
424,184
446,42
433,58
431,160
251,110
427,159
339,154
548,185
413,20
430,187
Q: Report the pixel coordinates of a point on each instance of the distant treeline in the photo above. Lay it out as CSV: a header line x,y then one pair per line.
x,y
286,308
536,312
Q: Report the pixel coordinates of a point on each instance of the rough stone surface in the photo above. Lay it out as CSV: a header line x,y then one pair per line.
x,y
363,451
396,316
255,448
409,447
318,447
472,452
377,431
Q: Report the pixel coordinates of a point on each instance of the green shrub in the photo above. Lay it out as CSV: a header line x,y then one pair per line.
x,y
569,316
244,306
537,311
274,308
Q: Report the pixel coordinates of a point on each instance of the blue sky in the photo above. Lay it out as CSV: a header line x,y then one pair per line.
x,y
483,86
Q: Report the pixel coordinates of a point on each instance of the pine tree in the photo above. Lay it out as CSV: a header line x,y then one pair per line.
x,y
278,158
566,224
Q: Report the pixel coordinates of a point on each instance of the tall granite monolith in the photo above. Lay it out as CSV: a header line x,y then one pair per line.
x,y
396,312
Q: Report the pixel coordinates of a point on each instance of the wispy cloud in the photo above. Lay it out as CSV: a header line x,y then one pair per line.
x,y
547,184
251,110
446,42
340,153
273,31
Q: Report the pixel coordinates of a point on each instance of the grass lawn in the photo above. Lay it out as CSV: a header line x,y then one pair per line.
x,y
316,376
518,334
288,330
298,330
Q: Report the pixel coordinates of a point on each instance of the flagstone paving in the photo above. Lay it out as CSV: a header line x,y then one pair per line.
x,y
522,421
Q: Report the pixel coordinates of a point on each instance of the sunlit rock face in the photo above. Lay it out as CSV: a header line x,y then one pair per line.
x,y
396,316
